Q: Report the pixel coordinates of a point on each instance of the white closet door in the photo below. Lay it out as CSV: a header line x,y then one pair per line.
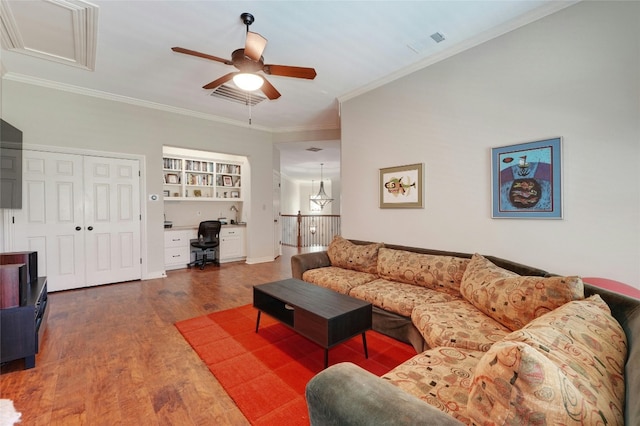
x,y
51,219
82,215
112,220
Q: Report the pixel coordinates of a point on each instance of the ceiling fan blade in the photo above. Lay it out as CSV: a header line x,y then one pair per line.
x,y
220,81
201,55
254,45
269,91
287,71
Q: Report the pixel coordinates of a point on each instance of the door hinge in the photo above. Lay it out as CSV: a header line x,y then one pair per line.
x,y
139,175
13,219
140,217
141,261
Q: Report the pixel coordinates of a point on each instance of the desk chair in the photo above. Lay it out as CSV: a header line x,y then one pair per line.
x,y
208,239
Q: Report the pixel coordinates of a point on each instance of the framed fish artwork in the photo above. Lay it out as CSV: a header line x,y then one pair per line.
x,y
402,187
526,180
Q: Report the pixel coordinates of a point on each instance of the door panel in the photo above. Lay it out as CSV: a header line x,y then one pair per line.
x,y
112,211
52,209
65,207
66,244
126,243
36,201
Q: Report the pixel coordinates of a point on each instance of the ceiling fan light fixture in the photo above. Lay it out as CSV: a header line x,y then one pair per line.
x,y
248,81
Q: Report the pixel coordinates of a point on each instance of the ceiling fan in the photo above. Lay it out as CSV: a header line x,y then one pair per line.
x,y
249,61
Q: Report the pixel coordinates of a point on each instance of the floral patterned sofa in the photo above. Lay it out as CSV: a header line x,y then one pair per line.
x,y
498,342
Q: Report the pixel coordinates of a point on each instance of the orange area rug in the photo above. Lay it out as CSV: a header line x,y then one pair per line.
x,y
265,373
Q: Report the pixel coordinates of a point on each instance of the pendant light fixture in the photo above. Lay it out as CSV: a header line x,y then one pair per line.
x,y
322,199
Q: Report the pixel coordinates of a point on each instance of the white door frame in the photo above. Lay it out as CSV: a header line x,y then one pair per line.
x,y
9,237
277,221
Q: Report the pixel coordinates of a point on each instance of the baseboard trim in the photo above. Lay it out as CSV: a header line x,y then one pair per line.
x,y
154,275
254,260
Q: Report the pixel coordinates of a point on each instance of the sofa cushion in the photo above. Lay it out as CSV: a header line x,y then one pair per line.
x,y
425,270
337,279
565,367
515,300
345,254
399,298
457,324
515,384
441,377
478,272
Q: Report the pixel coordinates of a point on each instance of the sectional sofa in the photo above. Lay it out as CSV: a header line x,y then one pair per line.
x,y
497,342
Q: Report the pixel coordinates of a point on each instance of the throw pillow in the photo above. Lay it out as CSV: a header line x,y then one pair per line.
x,y
515,300
345,254
515,384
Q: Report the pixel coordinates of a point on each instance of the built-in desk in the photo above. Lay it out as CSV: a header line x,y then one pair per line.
x,y
177,245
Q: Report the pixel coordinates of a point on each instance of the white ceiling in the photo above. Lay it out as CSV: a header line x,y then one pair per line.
x,y
122,50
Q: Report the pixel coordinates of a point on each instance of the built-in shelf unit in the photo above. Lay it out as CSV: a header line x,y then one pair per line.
x,y
204,177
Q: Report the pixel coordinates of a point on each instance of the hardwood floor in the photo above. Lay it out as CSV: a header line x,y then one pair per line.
x,y
111,355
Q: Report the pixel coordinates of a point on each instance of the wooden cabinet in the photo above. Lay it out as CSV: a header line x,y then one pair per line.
x,y
232,246
22,327
203,180
177,248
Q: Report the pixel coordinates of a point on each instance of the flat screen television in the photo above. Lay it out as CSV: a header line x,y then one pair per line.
x,y
10,166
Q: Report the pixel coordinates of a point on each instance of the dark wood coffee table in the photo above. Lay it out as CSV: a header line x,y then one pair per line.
x,y
319,314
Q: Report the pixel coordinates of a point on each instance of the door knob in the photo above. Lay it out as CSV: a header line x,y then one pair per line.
x,y
78,228
90,228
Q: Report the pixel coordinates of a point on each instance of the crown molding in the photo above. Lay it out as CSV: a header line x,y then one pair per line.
x,y
21,78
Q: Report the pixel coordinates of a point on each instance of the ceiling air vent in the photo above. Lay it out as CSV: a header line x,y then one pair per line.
x,y
314,149
437,37
236,95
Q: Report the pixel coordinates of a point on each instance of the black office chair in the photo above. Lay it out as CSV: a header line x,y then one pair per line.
x,y
208,240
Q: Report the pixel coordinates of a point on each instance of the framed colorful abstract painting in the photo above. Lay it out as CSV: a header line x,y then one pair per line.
x,y
526,180
402,187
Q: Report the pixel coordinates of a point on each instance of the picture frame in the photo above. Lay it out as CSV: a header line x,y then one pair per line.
x,y
235,194
166,193
172,178
526,180
197,193
402,187
227,180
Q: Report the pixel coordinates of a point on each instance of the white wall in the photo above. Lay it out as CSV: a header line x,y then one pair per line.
x,y
574,74
191,213
290,198
62,119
